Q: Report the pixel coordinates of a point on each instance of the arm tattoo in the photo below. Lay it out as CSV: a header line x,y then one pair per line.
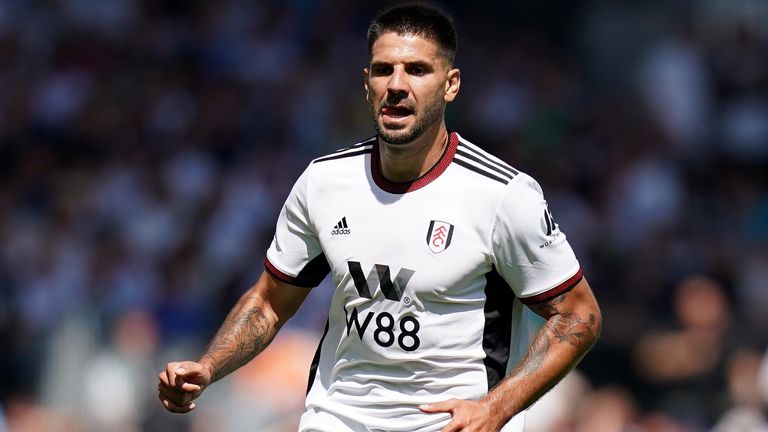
x,y
567,326
561,327
572,329
239,339
534,358
550,307
572,325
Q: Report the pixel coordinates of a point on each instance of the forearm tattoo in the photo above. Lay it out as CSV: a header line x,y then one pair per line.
x,y
561,327
572,329
536,355
240,338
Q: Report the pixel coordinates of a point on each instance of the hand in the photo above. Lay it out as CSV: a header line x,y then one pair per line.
x,y
181,383
468,416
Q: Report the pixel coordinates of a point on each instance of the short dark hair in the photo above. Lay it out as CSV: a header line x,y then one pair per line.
x,y
418,19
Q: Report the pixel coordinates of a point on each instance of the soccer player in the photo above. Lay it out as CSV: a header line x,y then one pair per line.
x,y
439,252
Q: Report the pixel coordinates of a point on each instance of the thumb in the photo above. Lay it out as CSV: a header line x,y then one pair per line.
x,y
190,370
444,406
192,376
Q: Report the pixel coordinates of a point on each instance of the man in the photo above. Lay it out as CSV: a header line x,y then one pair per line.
x,y
434,246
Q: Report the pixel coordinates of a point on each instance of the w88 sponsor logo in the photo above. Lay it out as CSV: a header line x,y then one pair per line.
x,y
384,333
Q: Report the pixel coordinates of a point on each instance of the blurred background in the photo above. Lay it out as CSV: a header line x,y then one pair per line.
x,y
146,148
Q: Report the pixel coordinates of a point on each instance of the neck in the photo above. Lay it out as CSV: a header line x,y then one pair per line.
x,y
406,162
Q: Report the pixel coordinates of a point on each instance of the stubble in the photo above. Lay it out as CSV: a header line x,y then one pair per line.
x,y
433,113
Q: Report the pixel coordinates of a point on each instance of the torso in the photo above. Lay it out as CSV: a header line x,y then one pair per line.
x,y
409,321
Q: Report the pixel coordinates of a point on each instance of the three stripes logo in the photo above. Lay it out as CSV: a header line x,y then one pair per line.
x,y
341,228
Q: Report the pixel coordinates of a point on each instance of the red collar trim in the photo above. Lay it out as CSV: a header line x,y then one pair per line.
x,y
427,178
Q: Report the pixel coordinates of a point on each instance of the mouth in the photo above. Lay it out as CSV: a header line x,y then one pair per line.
x,y
395,113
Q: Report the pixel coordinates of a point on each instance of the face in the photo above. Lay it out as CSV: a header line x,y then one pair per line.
x,y
407,86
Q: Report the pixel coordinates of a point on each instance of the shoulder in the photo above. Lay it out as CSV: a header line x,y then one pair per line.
x,y
517,193
523,209
483,164
356,150
336,169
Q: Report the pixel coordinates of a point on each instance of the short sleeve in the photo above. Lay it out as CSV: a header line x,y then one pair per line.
x,y
295,255
529,250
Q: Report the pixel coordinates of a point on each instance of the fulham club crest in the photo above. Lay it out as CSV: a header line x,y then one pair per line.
x,y
439,236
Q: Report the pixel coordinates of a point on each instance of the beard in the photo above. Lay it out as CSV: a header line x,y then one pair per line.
x,y
433,112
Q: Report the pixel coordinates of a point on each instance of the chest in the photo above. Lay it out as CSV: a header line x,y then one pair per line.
x,y
430,245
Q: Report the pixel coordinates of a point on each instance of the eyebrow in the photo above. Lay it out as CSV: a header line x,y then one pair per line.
x,y
419,63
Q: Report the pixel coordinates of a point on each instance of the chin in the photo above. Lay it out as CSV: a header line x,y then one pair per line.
x,y
399,134
398,137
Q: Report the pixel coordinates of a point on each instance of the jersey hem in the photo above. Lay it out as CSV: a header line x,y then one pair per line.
x,y
274,271
309,277
277,274
562,288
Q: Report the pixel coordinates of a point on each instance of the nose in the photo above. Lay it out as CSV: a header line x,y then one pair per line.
x,y
398,83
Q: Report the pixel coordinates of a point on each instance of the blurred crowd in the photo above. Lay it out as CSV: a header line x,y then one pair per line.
x,y
146,148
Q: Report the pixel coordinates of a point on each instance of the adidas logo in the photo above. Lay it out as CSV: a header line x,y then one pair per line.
x,y
341,228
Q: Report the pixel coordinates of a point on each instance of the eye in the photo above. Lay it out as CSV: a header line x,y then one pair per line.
x,y
381,70
417,70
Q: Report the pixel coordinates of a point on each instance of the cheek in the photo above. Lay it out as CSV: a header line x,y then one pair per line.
x,y
431,91
435,95
373,93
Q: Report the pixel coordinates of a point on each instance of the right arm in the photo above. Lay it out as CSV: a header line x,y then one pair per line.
x,y
248,329
251,325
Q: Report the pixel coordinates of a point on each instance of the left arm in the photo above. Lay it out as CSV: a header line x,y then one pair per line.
x,y
573,323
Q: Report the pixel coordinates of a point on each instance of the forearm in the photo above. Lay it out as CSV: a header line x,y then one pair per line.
x,y
555,350
559,345
248,329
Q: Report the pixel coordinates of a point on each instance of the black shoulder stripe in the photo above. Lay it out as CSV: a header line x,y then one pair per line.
x,y
486,157
480,171
482,162
513,172
360,144
344,155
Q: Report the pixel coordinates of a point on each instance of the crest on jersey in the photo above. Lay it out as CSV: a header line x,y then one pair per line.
x,y
439,235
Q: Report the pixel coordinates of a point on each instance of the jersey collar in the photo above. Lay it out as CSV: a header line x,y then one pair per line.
x,y
404,187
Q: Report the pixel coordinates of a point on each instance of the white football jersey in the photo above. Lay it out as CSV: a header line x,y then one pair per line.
x,y
431,277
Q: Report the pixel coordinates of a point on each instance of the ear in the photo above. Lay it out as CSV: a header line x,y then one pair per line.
x,y
452,85
366,74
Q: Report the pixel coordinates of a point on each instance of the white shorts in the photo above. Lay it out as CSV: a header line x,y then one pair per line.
x,y
314,420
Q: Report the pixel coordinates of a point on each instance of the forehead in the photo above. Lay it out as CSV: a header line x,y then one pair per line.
x,y
393,47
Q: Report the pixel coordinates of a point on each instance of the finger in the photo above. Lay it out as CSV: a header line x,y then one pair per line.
x,y
453,426
181,383
163,376
179,398
184,374
170,372
189,387
173,407
444,406
168,392
192,372
179,377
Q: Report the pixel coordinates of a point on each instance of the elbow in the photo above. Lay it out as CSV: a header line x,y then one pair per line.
x,y
597,323
599,326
